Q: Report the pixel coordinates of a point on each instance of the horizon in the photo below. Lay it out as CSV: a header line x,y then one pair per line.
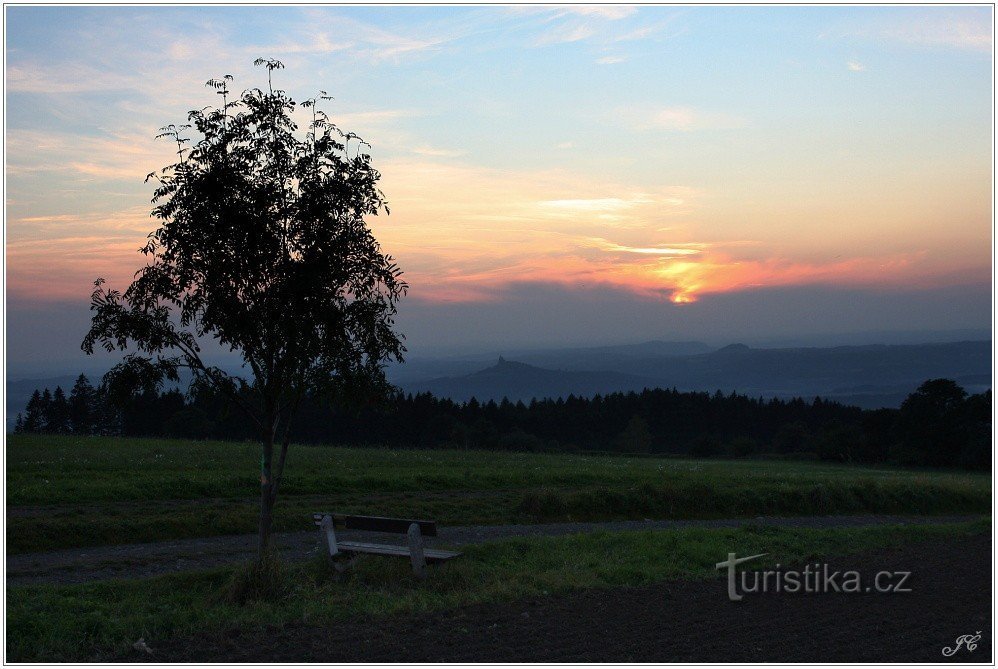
x,y
558,177
94,366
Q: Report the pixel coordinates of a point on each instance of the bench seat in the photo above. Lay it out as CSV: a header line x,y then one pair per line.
x,y
431,554
414,530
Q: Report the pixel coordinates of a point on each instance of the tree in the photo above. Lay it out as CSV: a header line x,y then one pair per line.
x,y
82,406
45,410
263,248
58,416
931,423
635,437
34,419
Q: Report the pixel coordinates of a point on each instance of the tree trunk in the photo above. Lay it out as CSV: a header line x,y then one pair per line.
x,y
266,487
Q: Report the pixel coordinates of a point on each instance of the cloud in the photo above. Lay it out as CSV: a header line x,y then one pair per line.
x,y
465,234
610,60
371,117
605,25
127,154
565,33
565,145
459,230
33,77
649,30
379,127
609,12
597,204
679,250
855,66
951,31
930,27
65,267
676,118
426,150
468,248
588,315
369,42
317,42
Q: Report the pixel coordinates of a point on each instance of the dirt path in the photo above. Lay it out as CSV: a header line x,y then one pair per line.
x,y
679,621
141,560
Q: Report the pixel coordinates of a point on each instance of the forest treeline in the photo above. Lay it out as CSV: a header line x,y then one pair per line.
x,y
939,425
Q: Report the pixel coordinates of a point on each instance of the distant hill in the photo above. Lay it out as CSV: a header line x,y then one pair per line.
x,y
610,357
869,376
519,381
883,368
422,369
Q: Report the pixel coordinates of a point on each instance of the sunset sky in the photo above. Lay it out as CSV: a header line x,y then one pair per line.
x,y
555,175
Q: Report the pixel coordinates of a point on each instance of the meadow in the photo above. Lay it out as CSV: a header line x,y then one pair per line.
x,y
65,491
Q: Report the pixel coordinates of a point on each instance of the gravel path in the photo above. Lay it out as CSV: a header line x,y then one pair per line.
x,y
141,560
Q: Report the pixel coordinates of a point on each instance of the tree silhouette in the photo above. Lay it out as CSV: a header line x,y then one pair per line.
x,y
83,406
58,415
34,419
932,422
45,411
262,246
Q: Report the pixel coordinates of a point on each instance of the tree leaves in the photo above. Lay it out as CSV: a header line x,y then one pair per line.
x,y
262,247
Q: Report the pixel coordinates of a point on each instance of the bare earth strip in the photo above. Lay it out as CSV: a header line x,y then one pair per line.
x,y
150,559
677,621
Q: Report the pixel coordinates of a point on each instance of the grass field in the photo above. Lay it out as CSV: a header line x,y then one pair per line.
x,y
99,621
64,491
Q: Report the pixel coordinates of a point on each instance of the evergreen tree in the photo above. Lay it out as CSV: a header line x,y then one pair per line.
x,y
636,437
82,406
34,420
58,417
46,410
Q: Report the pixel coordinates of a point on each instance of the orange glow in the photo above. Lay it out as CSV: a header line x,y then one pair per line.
x,y
464,233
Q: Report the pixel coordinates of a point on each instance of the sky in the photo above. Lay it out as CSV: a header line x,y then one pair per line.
x,y
556,175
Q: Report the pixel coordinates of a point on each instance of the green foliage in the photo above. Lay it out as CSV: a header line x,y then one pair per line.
x,y
263,247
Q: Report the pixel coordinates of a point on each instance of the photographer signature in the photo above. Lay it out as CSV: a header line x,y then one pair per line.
x,y
968,640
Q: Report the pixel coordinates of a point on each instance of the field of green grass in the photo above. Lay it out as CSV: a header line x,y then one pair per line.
x,y
64,492
98,622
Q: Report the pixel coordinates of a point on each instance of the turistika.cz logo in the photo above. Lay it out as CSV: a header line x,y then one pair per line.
x,y
813,579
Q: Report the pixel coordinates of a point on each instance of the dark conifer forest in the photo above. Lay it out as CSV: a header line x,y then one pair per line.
x,y
939,425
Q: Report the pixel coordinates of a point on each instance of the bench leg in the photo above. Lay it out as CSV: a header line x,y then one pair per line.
x,y
416,551
327,527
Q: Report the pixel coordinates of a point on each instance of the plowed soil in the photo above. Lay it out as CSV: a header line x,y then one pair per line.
x,y
679,621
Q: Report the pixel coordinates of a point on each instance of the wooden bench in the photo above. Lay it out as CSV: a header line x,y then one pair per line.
x,y
414,530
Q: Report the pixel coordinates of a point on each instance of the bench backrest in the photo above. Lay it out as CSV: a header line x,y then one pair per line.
x,y
428,528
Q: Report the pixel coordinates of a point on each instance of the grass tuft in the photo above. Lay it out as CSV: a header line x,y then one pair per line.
x,y
265,579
